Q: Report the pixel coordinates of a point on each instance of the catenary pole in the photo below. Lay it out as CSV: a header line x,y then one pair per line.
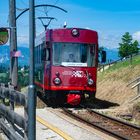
x,y
31,133
13,43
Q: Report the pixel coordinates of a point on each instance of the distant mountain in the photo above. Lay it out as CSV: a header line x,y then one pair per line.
x,y
5,56
112,55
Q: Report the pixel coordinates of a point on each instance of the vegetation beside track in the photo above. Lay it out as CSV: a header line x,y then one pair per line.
x,y
23,77
122,68
112,87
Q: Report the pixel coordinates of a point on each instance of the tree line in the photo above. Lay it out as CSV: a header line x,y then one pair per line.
x,y
127,47
23,75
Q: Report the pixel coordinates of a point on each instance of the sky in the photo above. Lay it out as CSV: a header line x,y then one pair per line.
x,y
111,19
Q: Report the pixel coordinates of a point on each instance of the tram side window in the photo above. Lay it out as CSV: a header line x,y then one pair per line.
x,y
35,55
83,52
48,54
92,56
42,52
57,49
38,54
38,58
45,54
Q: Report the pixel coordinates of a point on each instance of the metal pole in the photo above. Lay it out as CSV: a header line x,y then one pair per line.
x,y
31,90
13,46
13,43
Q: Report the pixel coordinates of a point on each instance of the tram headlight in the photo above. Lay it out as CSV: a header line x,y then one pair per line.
x,y
90,82
57,81
75,32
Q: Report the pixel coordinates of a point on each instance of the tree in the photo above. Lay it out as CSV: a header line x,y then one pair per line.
x,y
23,79
127,47
135,46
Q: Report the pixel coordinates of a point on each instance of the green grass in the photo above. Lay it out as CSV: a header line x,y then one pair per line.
x,y
2,74
122,70
6,101
23,78
126,63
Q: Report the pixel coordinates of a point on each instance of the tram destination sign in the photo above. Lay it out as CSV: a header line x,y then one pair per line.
x,y
3,36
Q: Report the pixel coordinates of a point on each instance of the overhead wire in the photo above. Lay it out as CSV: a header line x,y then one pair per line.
x,y
45,8
22,3
39,11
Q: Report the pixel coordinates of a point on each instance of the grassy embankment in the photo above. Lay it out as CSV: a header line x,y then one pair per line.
x,y
112,85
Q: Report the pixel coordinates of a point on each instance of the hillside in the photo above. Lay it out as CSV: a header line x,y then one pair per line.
x,y
112,86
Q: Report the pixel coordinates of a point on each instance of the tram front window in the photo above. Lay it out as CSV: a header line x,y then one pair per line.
x,y
74,54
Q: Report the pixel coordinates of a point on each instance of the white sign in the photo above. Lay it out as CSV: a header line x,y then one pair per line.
x,y
74,64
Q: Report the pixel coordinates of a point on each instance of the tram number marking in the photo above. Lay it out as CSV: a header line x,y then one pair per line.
x,y
79,74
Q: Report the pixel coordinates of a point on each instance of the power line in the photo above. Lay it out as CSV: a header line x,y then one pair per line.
x,y
20,9
23,2
45,8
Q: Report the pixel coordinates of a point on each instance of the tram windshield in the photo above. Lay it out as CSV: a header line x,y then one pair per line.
x,y
74,54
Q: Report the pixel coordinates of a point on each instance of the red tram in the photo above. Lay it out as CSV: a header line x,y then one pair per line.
x,y
66,64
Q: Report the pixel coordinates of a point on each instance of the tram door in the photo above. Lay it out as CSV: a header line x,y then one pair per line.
x,y
47,65
39,63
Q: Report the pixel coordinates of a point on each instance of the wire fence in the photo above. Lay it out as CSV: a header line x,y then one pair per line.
x,y
135,84
102,67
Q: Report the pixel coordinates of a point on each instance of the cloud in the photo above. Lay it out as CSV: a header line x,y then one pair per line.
x,y
22,40
109,40
136,36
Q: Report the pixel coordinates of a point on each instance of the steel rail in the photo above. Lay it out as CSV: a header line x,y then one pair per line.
x,y
111,118
97,124
114,119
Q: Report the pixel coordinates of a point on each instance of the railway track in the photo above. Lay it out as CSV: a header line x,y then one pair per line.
x,y
112,126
